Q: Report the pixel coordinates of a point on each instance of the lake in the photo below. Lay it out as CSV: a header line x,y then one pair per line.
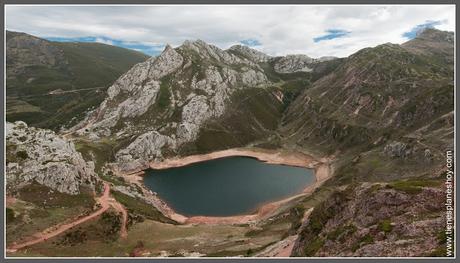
x,y
227,186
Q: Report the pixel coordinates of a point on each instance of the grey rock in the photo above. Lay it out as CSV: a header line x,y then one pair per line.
x,y
42,156
294,63
250,53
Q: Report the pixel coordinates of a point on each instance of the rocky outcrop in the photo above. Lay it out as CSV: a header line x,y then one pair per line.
x,y
144,148
403,150
294,63
250,53
375,220
37,155
163,102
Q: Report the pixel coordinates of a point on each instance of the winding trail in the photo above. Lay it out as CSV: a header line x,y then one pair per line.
x,y
120,208
105,201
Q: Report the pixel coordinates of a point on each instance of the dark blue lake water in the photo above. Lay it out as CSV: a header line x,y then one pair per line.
x,y
227,186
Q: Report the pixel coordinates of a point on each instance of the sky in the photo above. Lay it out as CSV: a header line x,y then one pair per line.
x,y
316,31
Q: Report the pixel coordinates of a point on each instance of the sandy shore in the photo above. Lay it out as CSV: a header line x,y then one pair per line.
x,y
322,167
269,156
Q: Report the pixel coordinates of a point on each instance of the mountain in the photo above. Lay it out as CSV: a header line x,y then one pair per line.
x,y
50,83
380,99
383,117
192,99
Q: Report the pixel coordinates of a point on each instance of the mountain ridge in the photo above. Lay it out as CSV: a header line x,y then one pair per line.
x,y
382,118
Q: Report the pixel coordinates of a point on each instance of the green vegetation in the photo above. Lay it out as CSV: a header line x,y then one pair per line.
x,y
253,114
164,94
45,197
365,240
413,186
87,69
100,152
22,155
9,215
136,206
25,218
341,232
313,246
106,229
385,225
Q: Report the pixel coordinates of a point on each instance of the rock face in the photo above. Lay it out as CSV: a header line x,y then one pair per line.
x,y
294,63
375,220
250,53
164,101
39,155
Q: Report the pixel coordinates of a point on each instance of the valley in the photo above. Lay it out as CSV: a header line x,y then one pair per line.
x,y
373,128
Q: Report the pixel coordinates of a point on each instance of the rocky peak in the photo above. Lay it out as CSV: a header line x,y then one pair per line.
x,y
432,34
167,47
210,52
164,101
433,42
250,53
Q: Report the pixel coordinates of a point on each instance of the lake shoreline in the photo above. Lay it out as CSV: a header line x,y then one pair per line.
x,y
322,172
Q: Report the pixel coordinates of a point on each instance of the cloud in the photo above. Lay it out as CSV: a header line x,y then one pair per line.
x,y
331,34
413,32
103,40
151,49
280,29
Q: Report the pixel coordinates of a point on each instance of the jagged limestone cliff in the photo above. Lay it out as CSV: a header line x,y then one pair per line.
x,y
165,101
37,155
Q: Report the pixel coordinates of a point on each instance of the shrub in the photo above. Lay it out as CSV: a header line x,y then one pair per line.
x,y
22,155
385,226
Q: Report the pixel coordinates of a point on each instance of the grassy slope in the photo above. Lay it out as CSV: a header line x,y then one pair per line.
x,y
90,66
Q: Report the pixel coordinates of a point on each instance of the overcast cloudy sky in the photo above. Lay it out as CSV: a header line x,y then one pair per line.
x,y
277,30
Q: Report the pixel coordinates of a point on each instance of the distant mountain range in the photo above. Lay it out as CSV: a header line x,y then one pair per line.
x,y
76,74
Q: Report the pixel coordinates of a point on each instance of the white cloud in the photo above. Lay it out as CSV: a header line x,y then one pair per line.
x,y
104,41
280,29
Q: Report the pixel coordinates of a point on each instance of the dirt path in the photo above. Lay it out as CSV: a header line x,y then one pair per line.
x,y
120,208
105,201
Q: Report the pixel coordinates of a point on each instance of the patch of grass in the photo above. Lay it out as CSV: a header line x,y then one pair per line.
x,y
164,95
137,206
45,197
10,217
99,152
385,225
341,232
438,252
106,229
365,240
413,186
22,155
30,219
313,247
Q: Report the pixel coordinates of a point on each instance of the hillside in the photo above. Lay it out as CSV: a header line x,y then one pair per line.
x,y
192,99
76,75
379,121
